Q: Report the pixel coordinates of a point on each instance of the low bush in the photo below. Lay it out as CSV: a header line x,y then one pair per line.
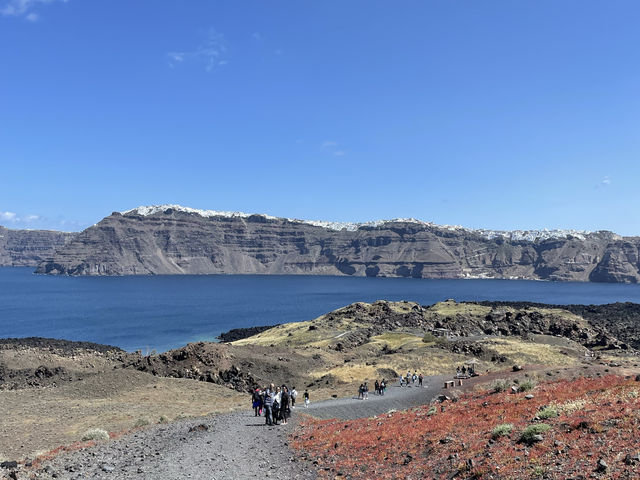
x,y
529,433
548,412
163,419
502,430
526,386
141,422
500,385
429,338
95,434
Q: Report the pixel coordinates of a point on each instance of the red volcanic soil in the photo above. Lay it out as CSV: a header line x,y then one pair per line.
x,y
595,435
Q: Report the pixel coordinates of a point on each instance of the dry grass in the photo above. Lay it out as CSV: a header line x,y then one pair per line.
x,y
115,402
451,309
523,352
397,340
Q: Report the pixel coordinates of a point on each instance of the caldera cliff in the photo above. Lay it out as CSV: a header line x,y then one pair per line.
x,y
177,240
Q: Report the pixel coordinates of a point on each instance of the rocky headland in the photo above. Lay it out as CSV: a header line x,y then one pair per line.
x,y
27,248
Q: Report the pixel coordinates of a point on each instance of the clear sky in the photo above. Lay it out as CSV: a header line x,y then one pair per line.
x,y
494,114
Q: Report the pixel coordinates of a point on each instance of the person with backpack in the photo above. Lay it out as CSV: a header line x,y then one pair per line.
x,y
294,395
256,402
365,391
383,386
377,387
420,378
306,398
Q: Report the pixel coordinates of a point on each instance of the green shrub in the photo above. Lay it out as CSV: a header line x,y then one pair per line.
x,y
500,385
502,430
163,419
432,411
548,412
429,337
95,434
528,434
526,386
142,422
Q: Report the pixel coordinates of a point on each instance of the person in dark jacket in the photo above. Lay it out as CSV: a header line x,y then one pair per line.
x,y
268,404
256,399
285,410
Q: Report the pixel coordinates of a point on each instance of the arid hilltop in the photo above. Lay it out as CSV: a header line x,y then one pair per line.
x,y
178,240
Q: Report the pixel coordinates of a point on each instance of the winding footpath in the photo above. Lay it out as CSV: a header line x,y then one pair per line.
x,y
230,446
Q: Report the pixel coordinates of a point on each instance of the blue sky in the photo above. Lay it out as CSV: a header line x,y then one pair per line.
x,y
493,114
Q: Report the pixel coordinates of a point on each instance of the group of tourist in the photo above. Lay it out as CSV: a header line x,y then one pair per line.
x,y
363,390
411,379
275,403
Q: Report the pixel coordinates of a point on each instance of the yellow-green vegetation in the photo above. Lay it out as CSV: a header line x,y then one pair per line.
x,y
451,308
502,430
396,340
523,352
95,434
529,434
548,412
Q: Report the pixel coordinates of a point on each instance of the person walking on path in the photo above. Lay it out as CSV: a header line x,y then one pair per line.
x,y
306,398
277,398
376,386
294,395
383,386
420,378
365,391
285,411
268,405
256,402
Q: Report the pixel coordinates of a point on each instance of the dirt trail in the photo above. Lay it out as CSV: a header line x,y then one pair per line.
x,y
230,446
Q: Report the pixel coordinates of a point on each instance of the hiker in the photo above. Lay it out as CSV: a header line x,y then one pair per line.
x,y
464,370
285,411
268,405
420,378
360,392
383,386
377,387
306,398
256,402
293,395
277,398
401,381
365,391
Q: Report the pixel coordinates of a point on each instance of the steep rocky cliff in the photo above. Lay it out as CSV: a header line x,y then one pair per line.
x,y
178,240
27,248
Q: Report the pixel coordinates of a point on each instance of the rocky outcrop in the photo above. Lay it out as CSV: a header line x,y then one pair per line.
x,y
27,248
182,241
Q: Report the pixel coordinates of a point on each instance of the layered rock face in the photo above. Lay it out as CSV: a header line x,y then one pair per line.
x,y
27,248
183,241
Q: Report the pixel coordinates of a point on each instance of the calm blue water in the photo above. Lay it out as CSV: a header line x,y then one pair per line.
x,y
164,312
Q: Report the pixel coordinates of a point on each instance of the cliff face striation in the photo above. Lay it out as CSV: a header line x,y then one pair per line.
x,y
27,248
178,240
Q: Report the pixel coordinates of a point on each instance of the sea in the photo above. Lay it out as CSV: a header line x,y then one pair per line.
x,y
158,313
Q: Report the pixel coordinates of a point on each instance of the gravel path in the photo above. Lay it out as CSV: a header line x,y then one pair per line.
x,y
395,398
231,446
